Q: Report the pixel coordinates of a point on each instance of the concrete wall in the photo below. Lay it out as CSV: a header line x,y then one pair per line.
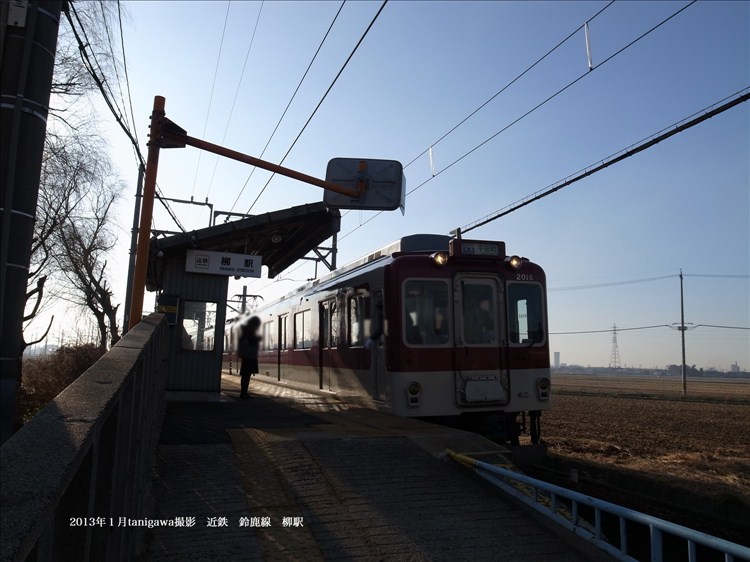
x,y
88,453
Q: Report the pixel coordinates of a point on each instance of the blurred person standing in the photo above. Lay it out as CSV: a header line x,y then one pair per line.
x,y
247,348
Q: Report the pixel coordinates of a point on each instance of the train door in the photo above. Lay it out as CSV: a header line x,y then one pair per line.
x,y
378,344
481,378
328,341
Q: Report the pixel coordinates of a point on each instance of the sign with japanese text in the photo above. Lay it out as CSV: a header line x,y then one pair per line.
x,y
223,263
168,305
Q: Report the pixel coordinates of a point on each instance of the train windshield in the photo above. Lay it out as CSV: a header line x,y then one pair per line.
x,y
479,311
525,313
426,312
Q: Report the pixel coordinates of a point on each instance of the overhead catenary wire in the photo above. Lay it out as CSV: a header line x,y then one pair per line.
x,y
429,149
623,154
236,93
341,70
508,85
211,95
532,110
289,103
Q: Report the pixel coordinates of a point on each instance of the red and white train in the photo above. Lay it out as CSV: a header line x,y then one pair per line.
x,y
430,327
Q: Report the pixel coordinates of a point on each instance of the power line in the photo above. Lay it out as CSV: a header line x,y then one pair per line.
x,y
645,328
127,77
617,157
645,280
114,59
101,82
612,284
609,330
717,276
112,106
529,112
374,19
289,103
236,93
211,96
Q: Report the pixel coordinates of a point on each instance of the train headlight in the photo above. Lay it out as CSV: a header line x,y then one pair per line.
x,y
413,394
543,385
439,258
514,261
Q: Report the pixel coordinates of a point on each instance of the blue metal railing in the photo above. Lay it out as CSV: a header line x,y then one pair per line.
x,y
84,461
545,498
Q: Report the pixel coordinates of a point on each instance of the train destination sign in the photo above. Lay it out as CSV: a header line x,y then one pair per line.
x,y
477,248
223,263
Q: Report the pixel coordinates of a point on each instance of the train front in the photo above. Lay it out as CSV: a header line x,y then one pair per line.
x,y
472,341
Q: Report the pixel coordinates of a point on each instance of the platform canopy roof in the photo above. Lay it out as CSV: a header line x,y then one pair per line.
x,y
279,237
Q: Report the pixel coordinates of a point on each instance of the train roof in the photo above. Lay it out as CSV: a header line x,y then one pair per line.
x,y
414,243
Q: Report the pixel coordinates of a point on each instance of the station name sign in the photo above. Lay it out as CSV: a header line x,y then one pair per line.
x,y
223,263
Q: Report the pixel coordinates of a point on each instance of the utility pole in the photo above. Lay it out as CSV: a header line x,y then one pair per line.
x,y
133,247
147,212
28,41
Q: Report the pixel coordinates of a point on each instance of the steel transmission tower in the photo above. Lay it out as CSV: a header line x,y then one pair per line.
x,y
614,359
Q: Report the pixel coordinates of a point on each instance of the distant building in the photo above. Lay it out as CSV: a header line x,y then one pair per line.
x,y
557,359
734,368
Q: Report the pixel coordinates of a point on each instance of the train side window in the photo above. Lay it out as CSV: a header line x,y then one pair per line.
x,y
282,332
302,339
335,325
426,312
356,321
525,313
198,325
269,336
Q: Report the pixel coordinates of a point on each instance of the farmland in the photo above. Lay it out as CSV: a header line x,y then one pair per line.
x,y
694,449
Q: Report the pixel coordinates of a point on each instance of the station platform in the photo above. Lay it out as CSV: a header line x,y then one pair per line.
x,y
290,475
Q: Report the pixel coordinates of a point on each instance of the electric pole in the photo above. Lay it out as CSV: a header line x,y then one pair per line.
x,y
28,41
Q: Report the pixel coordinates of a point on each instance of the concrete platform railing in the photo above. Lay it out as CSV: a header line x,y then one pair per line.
x,y
81,468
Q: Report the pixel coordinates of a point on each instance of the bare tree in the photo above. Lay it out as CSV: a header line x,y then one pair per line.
x,y
69,166
72,216
84,239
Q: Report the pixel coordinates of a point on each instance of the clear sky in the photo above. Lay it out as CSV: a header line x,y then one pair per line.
x,y
422,68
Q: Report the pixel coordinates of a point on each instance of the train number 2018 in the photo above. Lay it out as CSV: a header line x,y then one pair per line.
x,y
524,277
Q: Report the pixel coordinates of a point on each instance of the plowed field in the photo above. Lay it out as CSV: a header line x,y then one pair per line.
x,y
699,446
